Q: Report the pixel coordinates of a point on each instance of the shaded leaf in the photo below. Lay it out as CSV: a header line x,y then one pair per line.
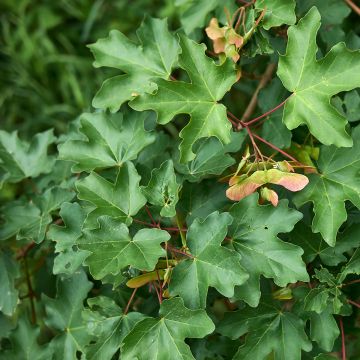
x,y
162,189
109,141
156,338
254,235
337,181
211,264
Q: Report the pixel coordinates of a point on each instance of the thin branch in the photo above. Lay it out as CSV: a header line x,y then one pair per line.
x,y
157,292
276,148
150,215
30,291
343,347
353,6
250,122
351,282
266,77
130,301
175,250
354,303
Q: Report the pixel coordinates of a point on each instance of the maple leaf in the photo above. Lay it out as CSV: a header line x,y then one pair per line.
x,y
105,321
278,12
69,257
121,199
157,338
111,140
111,248
20,159
264,327
254,235
154,57
25,345
337,181
9,272
199,98
313,82
210,265
63,314
30,220
162,189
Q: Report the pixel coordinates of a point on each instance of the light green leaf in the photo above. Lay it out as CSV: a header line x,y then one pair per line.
x,y
9,272
269,331
337,182
112,248
254,236
63,315
28,221
153,57
210,265
105,320
278,12
211,159
162,189
109,141
324,329
25,345
352,267
199,98
313,82
121,199
69,257
159,338
20,159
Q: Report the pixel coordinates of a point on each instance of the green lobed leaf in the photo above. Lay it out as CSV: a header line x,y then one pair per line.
x,y
28,221
254,236
162,189
69,257
121,199
278,12
152,58
111,248
337,181
110,140
210,265
105,320
9,272
25,345
199,98
157,338
20,159
63,315
264,327
211,158
313,82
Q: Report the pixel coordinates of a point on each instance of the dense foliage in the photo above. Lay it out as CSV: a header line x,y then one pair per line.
x,y
204,204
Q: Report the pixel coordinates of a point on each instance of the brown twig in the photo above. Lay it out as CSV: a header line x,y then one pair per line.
x,y
354,303
343,348
266,77
130,301
24,250
353,6
31,293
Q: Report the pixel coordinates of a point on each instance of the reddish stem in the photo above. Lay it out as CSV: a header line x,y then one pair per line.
x,y
130,301
276,148
160,285
351,282
175,250
343,348
250,122
150,215
354,303
157,293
